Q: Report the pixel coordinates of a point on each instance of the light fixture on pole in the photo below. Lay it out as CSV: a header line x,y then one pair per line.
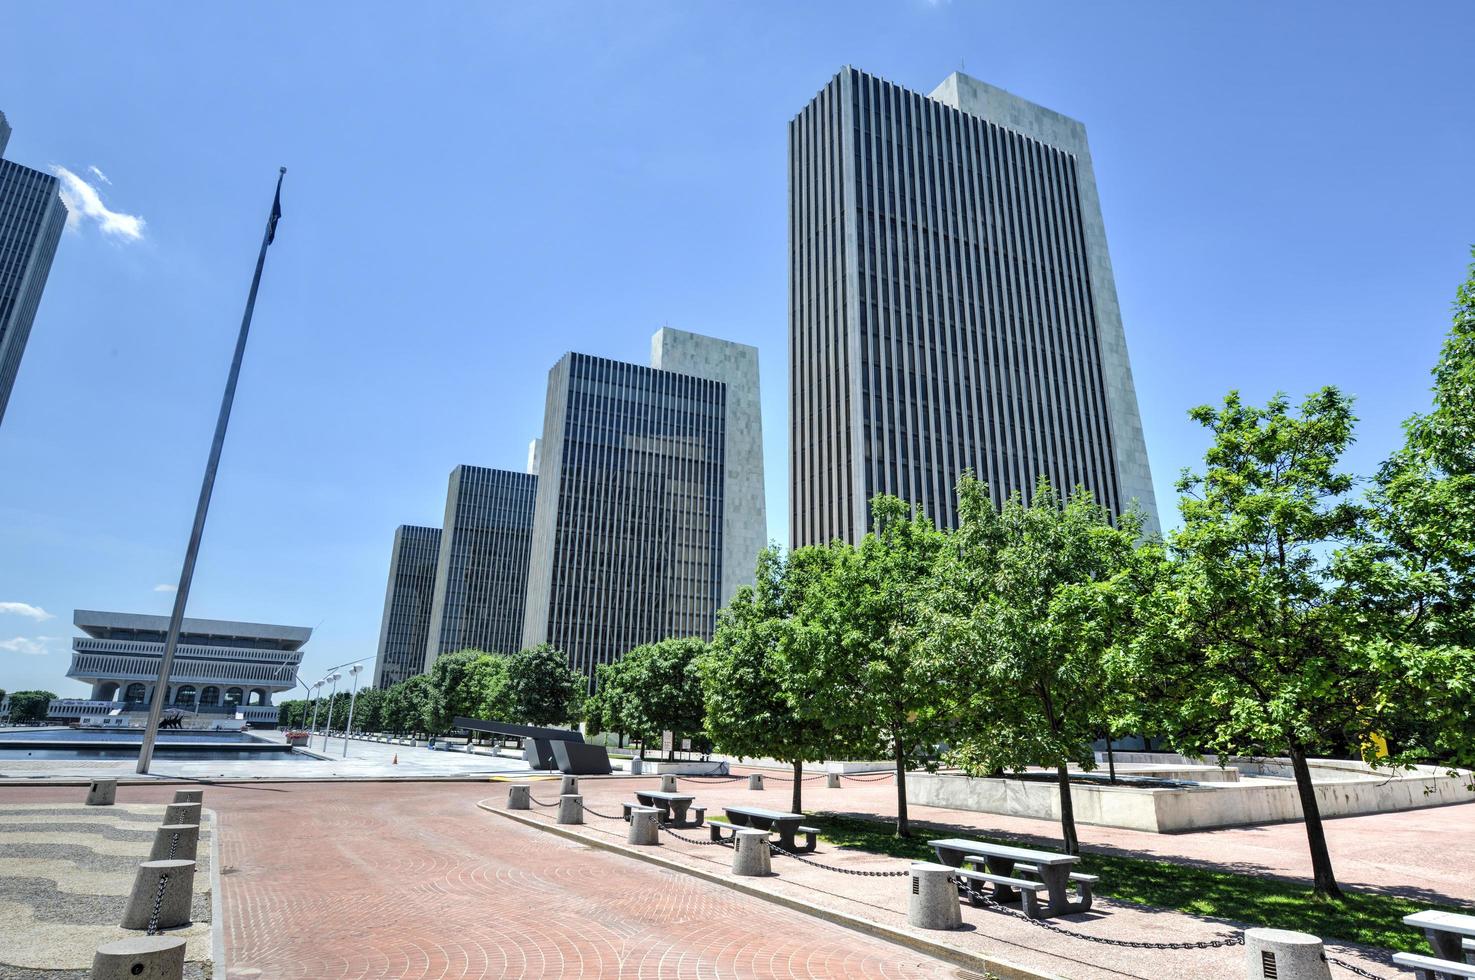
x,y
314,692
348,729
328,725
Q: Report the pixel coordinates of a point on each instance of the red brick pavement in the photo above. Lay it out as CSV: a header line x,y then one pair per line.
x,y
327,880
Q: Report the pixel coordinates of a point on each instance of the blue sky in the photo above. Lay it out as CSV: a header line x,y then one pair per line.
x,y
475,188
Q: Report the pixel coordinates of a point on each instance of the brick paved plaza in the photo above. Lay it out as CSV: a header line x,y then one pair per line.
x,y
412,879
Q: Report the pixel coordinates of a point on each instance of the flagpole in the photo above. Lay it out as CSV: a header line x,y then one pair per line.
x,y
187,573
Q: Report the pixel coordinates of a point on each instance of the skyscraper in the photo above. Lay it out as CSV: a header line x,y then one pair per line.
x,y
951,305
31,219
633,517
405,630
482,571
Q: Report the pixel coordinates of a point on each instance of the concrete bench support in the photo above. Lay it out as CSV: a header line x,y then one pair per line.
x,y
755,781
140,958
750,854
668,783
643,827
176,842
832,781
934,899
518,796
172,898
189,796
568,785
102,792
182,813
571,808
1285,955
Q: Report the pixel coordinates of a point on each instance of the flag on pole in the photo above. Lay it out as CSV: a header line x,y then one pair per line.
x,y
276,211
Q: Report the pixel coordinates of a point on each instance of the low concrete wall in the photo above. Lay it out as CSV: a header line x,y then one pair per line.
x,y
1176,809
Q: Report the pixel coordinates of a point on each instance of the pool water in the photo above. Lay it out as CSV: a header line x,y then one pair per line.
x,y
191,746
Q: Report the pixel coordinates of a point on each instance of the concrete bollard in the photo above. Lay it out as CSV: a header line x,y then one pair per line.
x,y
163,893
102,792
570,808
934,899
755,781
750,853
140,958
643,827
567,785
519,796
182,813
668,783
189,796
176,842
1284,954
832,780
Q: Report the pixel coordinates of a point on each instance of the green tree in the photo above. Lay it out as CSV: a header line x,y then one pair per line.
x,y
542,689
29,706
413,705
653,688
467,683
1260,643
1030,599
857,640
749,698
367,709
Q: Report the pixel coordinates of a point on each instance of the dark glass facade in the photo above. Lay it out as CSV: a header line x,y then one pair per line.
x,y
405,630
628,544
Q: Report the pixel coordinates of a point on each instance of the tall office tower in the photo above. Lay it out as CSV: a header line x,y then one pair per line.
x,y
481,575
404,632
629,543
31,219
744,515
951,306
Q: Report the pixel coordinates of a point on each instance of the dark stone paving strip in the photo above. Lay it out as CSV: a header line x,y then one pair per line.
x,y
101,829
108,811
50,904
89,860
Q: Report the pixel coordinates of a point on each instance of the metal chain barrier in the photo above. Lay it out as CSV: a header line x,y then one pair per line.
x,y
602,816
540,802
774,848
867,779
173,843
790,779
1352,968
158,904
699,843
1130,944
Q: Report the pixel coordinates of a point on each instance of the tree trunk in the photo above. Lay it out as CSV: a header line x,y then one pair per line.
x,y
798,785
1067,811
902,828
1321,858
1110,759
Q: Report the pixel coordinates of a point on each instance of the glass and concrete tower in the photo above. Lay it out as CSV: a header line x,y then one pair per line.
x,y
631,539
482,570
31,220
405,630
220,667
951,307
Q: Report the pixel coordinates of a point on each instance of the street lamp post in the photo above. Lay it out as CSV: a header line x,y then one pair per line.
x,y
352,698
314,727
328,725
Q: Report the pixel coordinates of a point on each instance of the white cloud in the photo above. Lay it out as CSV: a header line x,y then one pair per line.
x,y
99,175
84,202
27,610
26,646
166,587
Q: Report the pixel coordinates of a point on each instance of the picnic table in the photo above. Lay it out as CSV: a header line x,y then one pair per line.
x,y
786,825
669,804
1452,938
1005,864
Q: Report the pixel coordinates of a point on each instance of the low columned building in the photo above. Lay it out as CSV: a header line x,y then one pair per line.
x,y
220,667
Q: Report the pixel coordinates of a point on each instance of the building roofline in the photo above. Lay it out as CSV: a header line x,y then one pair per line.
x,y
88,620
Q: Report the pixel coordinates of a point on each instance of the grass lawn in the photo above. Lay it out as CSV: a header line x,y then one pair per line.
x,y
1362,916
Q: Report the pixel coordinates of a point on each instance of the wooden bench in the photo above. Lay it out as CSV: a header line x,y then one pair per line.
x,y
1028,890
1429,968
